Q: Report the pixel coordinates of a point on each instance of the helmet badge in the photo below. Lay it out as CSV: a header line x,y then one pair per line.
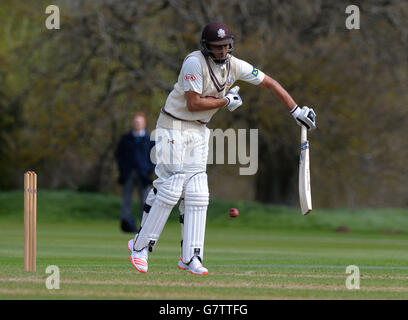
x,y
221,33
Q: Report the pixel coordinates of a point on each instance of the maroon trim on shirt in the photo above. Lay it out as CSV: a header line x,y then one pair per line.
x,y
174,117
218,86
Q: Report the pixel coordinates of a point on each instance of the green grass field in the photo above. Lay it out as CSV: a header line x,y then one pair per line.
x,y
266,253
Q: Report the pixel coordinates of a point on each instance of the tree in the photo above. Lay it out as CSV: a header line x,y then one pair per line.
x,y
74,90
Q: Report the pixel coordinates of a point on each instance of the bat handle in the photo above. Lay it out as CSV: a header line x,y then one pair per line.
x,y
303,134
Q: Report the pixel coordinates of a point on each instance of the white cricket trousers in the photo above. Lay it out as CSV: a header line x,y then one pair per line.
x,y
181,150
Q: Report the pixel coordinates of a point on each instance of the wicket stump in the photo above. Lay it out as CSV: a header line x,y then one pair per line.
x,y
30,220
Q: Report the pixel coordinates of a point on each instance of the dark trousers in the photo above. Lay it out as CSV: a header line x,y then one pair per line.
x,y
127,195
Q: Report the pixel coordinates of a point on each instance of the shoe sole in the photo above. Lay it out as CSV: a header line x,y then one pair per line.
x,y
199,274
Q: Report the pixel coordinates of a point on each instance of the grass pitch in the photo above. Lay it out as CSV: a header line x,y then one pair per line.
x,y
245,261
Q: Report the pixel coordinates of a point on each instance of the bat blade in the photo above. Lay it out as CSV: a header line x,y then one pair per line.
x,y
305,194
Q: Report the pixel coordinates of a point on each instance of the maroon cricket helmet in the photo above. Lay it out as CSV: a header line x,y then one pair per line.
x,y
216,33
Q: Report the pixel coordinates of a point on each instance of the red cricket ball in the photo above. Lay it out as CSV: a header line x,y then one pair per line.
x,y
233,212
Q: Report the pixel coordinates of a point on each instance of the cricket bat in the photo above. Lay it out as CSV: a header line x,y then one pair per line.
x,y
305,196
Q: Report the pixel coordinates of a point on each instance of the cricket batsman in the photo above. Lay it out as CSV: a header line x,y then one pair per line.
x,y
204,86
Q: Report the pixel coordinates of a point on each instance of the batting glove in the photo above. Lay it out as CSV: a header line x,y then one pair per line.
x,y
233,98
305,116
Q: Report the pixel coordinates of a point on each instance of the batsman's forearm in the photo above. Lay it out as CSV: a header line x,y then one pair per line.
x,y
278,91
283,96
206,104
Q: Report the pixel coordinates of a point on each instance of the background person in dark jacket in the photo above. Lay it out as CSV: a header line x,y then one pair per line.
x,y
135,169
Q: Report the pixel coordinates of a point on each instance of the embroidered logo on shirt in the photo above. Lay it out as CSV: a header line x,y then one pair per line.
x,y
255,72
221,33
190,77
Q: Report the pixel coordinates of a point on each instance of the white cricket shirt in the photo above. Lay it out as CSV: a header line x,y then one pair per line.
x,y
209,79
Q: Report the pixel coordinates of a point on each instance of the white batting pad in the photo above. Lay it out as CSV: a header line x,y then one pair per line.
x,y
167,196
149,201
182,209
196,203
150,197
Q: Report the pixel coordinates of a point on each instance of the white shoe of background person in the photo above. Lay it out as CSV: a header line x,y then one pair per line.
x,y
196,267
138,258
